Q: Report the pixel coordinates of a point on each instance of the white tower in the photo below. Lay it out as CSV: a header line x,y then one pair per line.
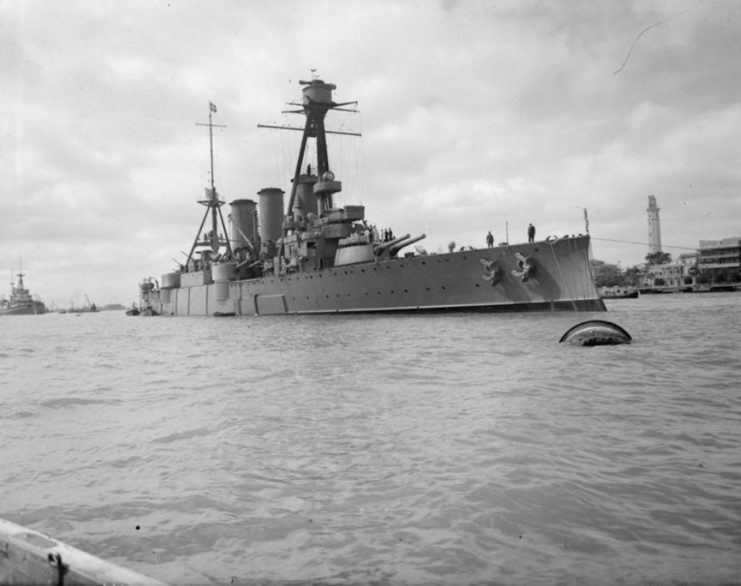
x,y
654,228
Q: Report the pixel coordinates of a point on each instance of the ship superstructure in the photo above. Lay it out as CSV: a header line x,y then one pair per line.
x,y
314,257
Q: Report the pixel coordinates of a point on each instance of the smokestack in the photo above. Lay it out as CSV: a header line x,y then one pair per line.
x,y
271,213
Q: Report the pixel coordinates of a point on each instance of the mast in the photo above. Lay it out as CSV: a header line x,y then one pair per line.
x,y
212,202
21,274
317,101
211,110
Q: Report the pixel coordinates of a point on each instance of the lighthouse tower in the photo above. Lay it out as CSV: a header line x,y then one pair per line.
x,y
654,227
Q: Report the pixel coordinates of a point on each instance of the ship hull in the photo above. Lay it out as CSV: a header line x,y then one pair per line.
x,y
25,310
488,280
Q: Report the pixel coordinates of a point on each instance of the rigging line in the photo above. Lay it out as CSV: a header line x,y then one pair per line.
x,y
642,243
648,28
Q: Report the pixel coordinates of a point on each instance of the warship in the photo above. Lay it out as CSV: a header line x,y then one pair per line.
x,y
21,302
313,257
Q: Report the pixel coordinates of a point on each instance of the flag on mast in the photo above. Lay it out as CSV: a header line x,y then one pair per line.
x,y
212,106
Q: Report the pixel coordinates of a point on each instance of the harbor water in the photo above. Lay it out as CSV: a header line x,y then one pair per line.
x,y
406,449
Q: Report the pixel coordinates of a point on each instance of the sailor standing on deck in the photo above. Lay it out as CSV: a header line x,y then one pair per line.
x,y
489,240
531,233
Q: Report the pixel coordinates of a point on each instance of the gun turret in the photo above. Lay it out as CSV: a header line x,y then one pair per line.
x,y
399,245
381,246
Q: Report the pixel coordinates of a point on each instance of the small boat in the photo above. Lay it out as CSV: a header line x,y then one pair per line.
x,y
618,292
89,308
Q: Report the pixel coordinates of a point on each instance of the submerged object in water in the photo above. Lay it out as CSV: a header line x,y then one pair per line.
x,y
596,332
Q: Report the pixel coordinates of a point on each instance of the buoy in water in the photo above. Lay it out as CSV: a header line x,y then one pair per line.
x,y
596,332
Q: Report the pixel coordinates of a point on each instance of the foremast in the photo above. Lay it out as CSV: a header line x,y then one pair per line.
x,y
212,241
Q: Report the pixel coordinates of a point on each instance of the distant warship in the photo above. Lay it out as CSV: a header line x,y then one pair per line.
x,y
315,258
21,302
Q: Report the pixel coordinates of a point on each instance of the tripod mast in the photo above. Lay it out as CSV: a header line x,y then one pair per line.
x,y
212,202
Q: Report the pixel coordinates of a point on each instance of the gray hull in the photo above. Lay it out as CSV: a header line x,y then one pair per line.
x,y
35,309
487,279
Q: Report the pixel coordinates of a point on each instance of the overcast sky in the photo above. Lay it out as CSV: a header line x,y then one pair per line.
x,y
475,116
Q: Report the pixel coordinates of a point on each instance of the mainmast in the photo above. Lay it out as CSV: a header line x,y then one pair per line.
x,y
317,101
212,202
20,274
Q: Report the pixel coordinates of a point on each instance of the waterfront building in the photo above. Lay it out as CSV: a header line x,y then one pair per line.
x,y
719,264
671,277
716,266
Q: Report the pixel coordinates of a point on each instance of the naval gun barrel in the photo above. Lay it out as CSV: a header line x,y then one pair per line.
x,y
399,245
380,247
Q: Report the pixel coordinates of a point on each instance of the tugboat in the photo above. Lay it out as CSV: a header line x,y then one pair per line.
x,y
21,302
316,258
618,292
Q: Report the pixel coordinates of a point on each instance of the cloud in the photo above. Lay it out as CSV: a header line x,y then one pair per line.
x,y
474,115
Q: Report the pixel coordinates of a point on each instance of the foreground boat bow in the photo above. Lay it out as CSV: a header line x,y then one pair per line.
x,y
28,557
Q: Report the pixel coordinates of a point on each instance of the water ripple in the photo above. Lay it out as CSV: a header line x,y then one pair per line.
x,y
460,449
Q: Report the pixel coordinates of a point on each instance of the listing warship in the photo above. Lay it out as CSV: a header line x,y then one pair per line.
x,y
316,258
21,302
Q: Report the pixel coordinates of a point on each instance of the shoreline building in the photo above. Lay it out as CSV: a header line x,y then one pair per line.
x,y
719,263
671,277
654,226
714,266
